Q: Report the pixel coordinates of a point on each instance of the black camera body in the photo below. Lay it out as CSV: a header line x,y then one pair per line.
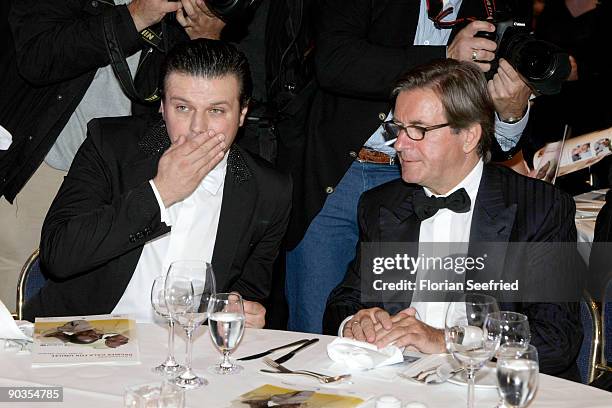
x,y
232,11
543,65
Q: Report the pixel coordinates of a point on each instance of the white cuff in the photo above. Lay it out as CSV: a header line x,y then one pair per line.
x,y
341,328
508,134
162,209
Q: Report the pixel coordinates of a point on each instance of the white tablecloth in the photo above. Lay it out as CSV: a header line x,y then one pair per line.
x,y
585,220
93,386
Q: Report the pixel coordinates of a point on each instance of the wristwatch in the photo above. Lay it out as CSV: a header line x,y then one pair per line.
x,y
512,119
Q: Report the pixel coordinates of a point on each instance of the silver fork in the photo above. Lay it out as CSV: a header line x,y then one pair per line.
x,y
424,376
325,379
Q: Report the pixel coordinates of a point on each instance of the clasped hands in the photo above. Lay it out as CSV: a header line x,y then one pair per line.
x,y
376,326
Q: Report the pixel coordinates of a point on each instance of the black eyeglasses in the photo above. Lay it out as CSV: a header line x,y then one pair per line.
x,y
392,130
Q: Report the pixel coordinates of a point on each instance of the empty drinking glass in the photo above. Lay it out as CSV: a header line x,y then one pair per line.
x,y
158,301
466,335
188,289
513,328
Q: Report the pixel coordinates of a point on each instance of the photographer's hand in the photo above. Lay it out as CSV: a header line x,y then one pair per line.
x,y
466,47
509,93
573,76
145,13
198,21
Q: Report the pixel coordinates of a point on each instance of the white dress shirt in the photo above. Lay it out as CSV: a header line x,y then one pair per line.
x,y
194,223
443,227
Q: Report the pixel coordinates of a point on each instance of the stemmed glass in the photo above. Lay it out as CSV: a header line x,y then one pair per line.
x,y
513,329
466,335
158,301
226,326
189,287
517,375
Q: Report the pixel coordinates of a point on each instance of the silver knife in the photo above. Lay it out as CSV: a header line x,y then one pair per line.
x,y
287,356
265,353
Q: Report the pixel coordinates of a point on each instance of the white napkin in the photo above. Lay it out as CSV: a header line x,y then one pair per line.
x,y
5,139
359,355
8,327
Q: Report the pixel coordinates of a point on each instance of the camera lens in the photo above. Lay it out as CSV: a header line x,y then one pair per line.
x,y
231,10
536,61
542,64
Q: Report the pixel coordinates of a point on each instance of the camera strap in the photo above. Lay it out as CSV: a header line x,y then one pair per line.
x,y
436,13
119,63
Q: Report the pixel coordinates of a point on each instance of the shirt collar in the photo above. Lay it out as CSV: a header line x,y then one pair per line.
x,y
215,179
470,183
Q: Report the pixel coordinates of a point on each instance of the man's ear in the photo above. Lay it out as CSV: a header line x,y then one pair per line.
x,y
161,109
471,137
243,113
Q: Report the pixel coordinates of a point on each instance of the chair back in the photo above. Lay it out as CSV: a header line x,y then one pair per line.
x,y
591,348
606,319
31,280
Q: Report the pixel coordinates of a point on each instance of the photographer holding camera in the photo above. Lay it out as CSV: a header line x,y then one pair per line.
x,y
57,75
361,50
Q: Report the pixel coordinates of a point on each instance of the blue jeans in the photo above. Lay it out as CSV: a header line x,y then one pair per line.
x,y
319,262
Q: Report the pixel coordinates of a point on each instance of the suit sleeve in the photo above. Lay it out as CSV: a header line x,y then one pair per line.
x,y
347,62
56,41
345,299
89,223
556,329
255,283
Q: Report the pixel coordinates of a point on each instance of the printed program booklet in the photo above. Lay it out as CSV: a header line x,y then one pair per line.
x,y
272,396
85,340
569,155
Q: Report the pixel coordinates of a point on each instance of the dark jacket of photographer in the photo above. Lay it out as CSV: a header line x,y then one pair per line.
x,y
361,50
58,47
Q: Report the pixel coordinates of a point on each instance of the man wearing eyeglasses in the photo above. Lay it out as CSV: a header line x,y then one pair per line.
x,y
362,48
448,193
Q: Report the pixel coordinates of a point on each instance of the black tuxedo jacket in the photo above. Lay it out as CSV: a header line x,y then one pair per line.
x,y
508,208
363,46
105,211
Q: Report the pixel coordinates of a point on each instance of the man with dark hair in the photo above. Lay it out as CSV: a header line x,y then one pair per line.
x,y
56,75
143,192
443,122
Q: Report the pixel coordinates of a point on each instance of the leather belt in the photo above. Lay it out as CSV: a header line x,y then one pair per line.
x,y
373,156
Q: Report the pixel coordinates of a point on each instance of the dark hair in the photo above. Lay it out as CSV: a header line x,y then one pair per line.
x,y
462,89
209,59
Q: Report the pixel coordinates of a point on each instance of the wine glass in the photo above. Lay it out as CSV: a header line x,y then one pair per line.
x,y
189,286
466,334
513,329
226,323
517,375
158,301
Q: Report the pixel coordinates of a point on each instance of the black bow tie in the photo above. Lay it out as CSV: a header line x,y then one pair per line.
x,y
425,207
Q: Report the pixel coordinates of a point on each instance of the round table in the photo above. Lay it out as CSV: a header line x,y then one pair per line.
x,y
95,386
